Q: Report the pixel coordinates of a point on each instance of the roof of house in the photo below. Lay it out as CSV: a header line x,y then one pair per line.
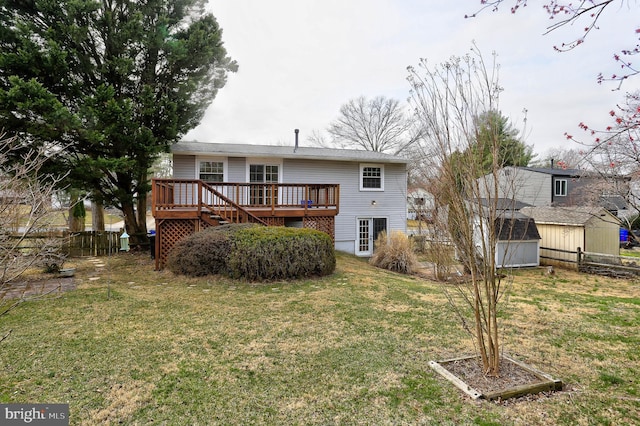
x,y
289,152
504,203
575,173
613,202
556,171
576,216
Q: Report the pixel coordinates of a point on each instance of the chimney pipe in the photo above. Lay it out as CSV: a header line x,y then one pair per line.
x,y
552,163
296,131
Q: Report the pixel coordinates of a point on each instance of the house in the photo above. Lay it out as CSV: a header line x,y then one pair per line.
x,y
351,195
564,230
561,187
420,204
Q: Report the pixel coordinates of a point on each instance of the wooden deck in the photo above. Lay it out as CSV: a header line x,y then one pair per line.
x,y
183,206
175,197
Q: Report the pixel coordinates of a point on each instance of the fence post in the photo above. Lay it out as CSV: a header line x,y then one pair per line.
x,y
580,257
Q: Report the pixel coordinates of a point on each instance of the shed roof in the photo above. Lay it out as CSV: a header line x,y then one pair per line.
x,y
576,216
514,226
289,152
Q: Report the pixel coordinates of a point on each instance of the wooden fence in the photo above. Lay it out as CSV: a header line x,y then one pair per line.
x,y
76,244
593,263
93,243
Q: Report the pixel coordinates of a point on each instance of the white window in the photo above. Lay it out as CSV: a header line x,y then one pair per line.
x,y
561,188
371,177
211,171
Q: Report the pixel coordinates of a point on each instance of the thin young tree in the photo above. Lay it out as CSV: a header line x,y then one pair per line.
x,y
26,208
448,99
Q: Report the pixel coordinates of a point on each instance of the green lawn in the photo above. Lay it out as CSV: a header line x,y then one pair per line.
x,y
351,348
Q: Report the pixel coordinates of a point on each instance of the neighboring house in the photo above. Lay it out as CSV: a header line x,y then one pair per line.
x,y
420,204
351,195
560,187
565,230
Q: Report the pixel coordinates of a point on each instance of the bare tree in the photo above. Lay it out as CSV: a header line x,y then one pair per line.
x,y
379,124
561,158
448,98
26,208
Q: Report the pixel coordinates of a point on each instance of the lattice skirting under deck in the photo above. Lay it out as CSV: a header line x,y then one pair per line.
x,y
170,231
326,224
274,221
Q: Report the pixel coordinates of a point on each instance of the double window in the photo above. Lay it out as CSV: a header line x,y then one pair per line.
x,y
371,177
560,188
211,171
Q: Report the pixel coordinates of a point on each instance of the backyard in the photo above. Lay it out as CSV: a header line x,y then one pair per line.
x,y
131,345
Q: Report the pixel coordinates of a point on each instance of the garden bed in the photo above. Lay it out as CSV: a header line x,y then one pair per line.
x,y
516,379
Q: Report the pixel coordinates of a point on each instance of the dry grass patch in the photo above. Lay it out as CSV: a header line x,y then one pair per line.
x,y
123,401
351,348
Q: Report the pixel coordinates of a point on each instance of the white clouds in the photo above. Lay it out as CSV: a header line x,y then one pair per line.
x,y
300,60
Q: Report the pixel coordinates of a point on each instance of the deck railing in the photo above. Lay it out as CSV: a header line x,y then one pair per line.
x,y
172,194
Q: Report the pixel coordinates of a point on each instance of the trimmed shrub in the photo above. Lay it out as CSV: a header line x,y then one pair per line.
x,y
205,252
269,253
395,253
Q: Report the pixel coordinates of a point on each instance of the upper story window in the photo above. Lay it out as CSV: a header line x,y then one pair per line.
x,y
211,171
371,177
561,188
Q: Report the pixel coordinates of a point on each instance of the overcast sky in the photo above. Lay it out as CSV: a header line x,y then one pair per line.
x,y
300,60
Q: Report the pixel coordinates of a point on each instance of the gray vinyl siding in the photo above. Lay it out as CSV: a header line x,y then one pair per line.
x,y
526,186
354,203
390,203
237,171
184,167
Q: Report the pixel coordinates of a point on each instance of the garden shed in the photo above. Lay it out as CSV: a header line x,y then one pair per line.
x,y
564,230
518,241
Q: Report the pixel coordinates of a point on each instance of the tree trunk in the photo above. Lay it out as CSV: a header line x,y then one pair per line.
x,y
76,218
97,216
137,231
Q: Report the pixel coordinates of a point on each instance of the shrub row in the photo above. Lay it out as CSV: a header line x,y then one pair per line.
x,y
254,253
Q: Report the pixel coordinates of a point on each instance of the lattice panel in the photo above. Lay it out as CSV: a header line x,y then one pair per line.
x,y
274,221
169,233
325,224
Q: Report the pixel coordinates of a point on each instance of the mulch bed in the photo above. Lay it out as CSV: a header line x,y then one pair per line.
x,y
511,375
34,288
